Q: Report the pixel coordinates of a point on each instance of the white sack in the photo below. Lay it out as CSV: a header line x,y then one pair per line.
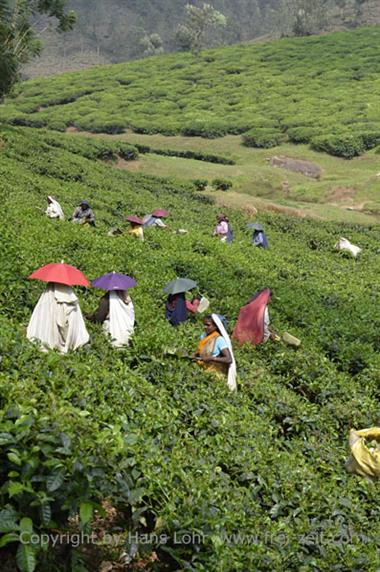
x,y
344,244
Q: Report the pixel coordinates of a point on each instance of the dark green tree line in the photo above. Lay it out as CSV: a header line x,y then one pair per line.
x,y
18,39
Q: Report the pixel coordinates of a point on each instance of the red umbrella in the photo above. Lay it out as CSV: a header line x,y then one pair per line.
x,y
135,219
160,213
61,273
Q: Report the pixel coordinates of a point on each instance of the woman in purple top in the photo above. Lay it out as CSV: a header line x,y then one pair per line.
x,y
222,229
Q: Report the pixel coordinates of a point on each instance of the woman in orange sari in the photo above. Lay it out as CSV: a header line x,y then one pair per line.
x,y
214,350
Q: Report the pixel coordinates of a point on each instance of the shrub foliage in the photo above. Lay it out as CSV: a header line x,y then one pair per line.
x,y
253,479
298,89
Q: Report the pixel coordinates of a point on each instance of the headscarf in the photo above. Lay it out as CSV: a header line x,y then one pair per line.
x,y
231,379
176,311
54,207
250,323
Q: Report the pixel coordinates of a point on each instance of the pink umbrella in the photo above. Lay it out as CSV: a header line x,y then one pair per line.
x,y
160,213
135,219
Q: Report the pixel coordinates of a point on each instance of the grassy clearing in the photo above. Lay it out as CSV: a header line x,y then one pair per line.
x,y
343,185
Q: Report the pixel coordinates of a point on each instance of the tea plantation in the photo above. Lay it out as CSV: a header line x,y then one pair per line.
x,y
157,460
320,90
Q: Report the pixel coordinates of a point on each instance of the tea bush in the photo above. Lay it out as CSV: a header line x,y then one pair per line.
x,y
187,154
265,138
221,184
345,145
215,481
200,184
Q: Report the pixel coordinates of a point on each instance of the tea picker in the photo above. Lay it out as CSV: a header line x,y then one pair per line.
x,y
136,227
259,237
54,209
115,310
155,218
83,214
214,352
57,321
175,306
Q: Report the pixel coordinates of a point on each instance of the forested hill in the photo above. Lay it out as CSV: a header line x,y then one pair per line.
x,y
117,30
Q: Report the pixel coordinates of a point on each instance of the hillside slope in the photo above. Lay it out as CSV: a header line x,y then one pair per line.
x,y
318,90
224,482
109,33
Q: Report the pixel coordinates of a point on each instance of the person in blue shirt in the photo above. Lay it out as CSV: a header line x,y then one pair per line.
x,y
213,351
259,239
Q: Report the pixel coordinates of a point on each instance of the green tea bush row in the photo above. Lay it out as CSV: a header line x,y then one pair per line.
x,y
198,155
264,138
347,145
93,148
344,145
299,89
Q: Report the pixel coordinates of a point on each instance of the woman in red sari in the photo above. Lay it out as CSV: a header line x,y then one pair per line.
x,y
253,321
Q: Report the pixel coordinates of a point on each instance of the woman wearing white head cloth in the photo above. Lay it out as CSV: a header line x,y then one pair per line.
x,y
120,322
215,352
54,209
117,314
57,321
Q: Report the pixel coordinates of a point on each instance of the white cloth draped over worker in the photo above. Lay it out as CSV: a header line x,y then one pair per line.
x,y
54,209
57,321
121,319
231,379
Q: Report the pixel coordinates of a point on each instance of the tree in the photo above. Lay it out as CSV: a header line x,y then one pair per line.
x,y
151,44
195,31
18,39
302,17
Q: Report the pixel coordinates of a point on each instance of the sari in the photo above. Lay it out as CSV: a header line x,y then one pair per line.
x,y
137,231
206,347
250,323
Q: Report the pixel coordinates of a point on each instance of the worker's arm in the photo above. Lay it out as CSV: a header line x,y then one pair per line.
x,y
224,357
102,310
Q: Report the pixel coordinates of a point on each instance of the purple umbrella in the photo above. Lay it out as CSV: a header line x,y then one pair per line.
x,y
114,281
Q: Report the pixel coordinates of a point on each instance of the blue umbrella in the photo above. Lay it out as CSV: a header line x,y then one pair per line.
x,y
179,285
255,226
114,281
